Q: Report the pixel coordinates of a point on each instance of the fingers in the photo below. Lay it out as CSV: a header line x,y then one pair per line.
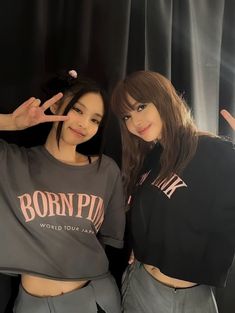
x,y
29,101
36,103
229,118
51,101
25,105
55,118
226,114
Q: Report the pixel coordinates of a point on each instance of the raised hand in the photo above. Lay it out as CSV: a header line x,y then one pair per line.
x,y
30,113
229,118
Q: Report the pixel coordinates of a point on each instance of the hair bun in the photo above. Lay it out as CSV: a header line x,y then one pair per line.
x,y
73,74
60,82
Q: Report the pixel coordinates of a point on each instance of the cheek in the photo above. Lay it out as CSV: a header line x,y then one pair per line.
x,y
160,129
94,130
129,127
160,125
72,115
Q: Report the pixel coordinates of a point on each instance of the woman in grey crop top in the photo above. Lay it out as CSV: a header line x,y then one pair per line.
x,y
182,204
60,207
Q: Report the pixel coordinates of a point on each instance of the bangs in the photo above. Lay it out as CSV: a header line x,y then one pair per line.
x,y
120,101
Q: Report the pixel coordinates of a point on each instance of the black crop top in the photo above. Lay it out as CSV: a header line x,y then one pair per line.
x,y
186,226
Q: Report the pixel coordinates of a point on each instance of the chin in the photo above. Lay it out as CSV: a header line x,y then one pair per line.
x,y
150,139
72,142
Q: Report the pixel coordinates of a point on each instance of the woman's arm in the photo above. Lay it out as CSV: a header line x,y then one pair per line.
x,y
30,113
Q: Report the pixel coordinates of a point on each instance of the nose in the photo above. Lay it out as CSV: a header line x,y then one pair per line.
x,y
136,120
83,122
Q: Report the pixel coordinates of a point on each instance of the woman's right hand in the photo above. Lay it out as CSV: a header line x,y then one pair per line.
x,y
31,113
229,118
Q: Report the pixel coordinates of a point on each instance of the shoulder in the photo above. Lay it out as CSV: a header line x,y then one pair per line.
x,y
4,144
13,155
215,143
109,166
110,171
109,162
216,148
10,147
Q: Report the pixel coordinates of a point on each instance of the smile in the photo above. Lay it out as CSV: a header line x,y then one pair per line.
x,y
143,130
77,132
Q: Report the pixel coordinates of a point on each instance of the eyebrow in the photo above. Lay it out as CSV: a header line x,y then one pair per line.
x,y
83,105
134,105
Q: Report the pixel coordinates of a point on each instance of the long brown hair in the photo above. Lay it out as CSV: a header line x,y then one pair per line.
x,y
179,133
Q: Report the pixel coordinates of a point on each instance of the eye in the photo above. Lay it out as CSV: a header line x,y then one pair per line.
x,y
77,110
125,118
141,107
95,121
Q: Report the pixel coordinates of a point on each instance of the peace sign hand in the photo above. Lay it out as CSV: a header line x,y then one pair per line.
x,y
30,113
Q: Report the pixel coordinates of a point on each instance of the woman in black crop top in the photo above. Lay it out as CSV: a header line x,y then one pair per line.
x,y
180,186
60,207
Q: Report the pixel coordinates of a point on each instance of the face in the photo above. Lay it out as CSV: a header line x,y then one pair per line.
x,y
144,121
84,119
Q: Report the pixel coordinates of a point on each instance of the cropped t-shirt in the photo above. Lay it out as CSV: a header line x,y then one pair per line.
x,y
185,226
55,217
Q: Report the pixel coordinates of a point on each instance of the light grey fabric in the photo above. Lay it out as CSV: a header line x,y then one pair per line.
x,y
144,294
101,292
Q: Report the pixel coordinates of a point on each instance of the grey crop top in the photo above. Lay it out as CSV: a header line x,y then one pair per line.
x,y
55,217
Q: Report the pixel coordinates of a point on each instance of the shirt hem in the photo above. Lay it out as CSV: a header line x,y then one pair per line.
x,y
13,272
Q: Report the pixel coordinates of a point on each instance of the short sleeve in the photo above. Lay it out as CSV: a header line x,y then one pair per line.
x,y
3,149
112,230
9,152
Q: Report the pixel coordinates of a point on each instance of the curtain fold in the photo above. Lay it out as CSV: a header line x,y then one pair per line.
x,y
159,26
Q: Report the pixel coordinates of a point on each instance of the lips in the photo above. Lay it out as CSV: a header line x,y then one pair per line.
x,y
78,132
141,131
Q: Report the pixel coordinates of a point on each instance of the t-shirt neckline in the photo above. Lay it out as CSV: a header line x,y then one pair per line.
x,y
63,164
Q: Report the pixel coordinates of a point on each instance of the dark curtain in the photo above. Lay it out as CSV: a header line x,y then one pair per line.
x,y
191,42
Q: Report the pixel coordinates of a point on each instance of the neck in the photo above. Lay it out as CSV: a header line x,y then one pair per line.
x,y
65,152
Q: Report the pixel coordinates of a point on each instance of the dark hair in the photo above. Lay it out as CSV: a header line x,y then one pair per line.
x,y
179,134
76,88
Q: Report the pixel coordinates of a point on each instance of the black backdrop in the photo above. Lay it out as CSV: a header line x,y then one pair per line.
x,y
191,42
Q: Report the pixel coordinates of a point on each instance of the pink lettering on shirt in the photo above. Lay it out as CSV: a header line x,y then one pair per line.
x,y
143,178
168,187
47,204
